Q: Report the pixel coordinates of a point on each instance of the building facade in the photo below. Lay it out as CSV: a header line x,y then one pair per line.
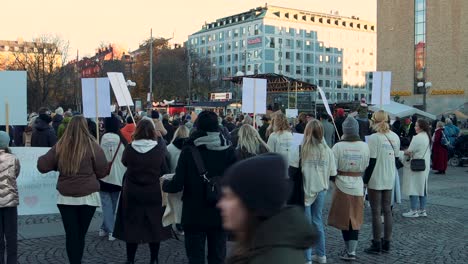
x,y
423,41
328,50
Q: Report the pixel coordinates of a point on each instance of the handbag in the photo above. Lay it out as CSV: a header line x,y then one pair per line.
x,y
419,164
212,189
398,162
297,181
109,165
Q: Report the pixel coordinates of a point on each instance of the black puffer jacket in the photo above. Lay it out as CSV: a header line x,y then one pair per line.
x,y
43,134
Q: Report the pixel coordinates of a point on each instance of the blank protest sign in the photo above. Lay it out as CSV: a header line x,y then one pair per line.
x,y
88,89
13,91
254,95
381,86
119,86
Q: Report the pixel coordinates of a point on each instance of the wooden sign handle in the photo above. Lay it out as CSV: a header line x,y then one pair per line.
x,y
7,117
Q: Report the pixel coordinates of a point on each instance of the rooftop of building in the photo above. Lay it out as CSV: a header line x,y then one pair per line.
x,y
290,14
21,45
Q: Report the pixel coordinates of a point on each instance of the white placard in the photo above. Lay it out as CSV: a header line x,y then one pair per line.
x,y
119,86
254,95
292,113
381,86
13,91
88,89
297,139
325,101
37,191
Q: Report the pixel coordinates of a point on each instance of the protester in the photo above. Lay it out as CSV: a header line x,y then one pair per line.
x,y
113,145
347,208
27,134
128,130
235,133
92,127
80,162
43,134
253,209
281,139
223,129
57,119
67,116
169,128
439,151
340,118
300,127
328,130
158,124
414,183
250,144
188,122
139,213
201,219
452,132
229,123
412,131
363,109
175,148
384,146
396,127
263,129
317,162
9,201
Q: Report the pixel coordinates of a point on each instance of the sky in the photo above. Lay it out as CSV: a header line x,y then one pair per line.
x,y
87,23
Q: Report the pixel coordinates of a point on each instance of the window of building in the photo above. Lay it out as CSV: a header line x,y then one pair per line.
x,y
327,95
229,46
308,70
220,60
308,56
339,59
298,69
327,71
298,44
236,44
327,58
321,83
236,57
255,53
236,32
256,29
338,72
338,96
338,84
229,58
345,96
298,56
419,44
321,58
327,84
230,33
288,68
280,67
288,43
288,55
272,42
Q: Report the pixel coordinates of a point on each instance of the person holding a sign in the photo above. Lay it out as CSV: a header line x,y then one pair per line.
x,y
81,162
9,201
281,139
317,164
43,134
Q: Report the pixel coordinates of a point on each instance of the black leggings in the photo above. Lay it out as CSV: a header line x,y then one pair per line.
x,y
132,248
350,234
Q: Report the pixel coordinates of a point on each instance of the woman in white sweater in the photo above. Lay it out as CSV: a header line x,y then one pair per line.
x,y
414,183
318,164
280,140
384,146
174,149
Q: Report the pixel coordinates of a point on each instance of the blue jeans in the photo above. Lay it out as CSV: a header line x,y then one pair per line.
x,y
314,215
109,204
414,202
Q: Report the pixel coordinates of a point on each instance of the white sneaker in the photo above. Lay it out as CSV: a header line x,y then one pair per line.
x,y
102,233
411,214
111,238
422,213
318,259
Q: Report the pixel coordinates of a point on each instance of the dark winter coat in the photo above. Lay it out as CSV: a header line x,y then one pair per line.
x,y
262,131
170,130
300,127
439,152
43,134
230,126
280,239
242,154
339,126
56,121
140,211
197,214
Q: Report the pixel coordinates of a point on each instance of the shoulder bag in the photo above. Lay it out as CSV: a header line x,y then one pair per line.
x,y
398,162
297,182
444,141
109,165
212,188
419,164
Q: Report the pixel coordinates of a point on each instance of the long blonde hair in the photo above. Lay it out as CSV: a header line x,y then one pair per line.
x,y
73,146
181,132
380,119
281,123
250,140
313,140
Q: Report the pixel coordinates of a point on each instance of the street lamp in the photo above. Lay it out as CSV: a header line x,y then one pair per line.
x,y
426,85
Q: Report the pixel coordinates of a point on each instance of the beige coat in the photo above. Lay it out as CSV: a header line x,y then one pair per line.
x,y
9,171
415,182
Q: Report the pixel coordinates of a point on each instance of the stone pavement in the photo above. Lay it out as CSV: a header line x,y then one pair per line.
x,y
442,237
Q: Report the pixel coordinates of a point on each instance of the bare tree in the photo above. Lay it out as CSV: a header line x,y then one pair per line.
x,y
42,59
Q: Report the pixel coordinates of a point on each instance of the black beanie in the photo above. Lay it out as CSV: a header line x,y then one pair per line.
x,y
154,114
261,183
45,117
207,121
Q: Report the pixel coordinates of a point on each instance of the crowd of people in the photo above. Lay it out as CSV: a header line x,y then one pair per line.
x,y
231,177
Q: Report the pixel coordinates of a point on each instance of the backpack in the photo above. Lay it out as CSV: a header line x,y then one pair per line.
x,y
445,142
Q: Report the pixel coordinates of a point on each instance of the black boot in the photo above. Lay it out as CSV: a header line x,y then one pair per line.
x,y
385,246
375,248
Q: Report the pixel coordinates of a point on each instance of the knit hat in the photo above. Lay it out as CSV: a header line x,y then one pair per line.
x,y
350,127
45,117
154,114
207,121
59,111
340,112
4,140
261,183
